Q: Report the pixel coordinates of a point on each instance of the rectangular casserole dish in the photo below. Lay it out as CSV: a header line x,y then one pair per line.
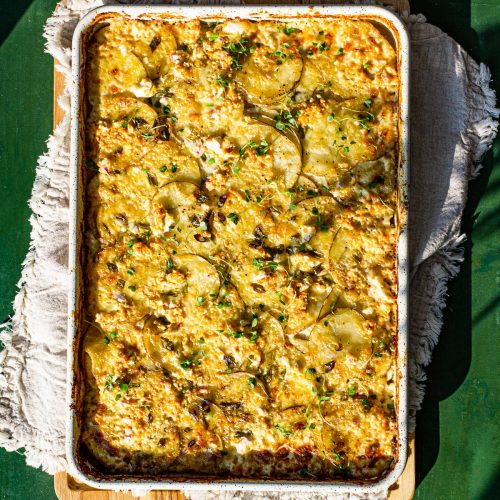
x,y
392,28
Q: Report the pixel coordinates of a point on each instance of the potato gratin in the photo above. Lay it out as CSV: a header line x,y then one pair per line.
x,y
241,234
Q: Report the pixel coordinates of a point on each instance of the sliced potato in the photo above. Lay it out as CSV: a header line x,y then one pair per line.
x,y
228,308
271,341
344,247
202,277
169,163
127,110
112,215
115,147
114,71
268,78
157,344
310,221
155,49
266,159
379,175
177,194
186,218
236,387
332,65
103,357
205,108
343,331
339,136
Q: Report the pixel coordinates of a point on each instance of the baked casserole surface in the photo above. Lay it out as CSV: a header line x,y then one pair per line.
x,y
241,232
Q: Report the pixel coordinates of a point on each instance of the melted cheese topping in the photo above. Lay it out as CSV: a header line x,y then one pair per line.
x,y
241,269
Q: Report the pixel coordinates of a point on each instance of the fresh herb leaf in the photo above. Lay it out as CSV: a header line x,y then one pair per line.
x,y
234,218
239,51
282,318
185,364
222,81
287,433
286,119
257,263
272,265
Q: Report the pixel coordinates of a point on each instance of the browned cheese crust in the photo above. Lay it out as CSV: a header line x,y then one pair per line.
x,y
240,278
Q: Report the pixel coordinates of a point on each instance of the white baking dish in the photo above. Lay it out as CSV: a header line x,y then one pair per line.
x,y
74,390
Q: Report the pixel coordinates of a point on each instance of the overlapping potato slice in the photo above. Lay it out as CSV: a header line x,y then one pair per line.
x,y
102,358
137,274
278,367
113,215
253,159
160,345
186,219
176,195
339,136
115,71
360,263
332,65
155,46
265,156
126,110
236,387
308,222
236,219
273,67
206,108
271,341
151,48
343,331
115,148
193,280
202,278
168,162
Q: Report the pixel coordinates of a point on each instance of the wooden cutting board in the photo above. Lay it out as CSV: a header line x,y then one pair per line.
x,y
67,488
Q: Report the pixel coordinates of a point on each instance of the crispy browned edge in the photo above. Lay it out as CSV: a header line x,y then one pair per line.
x,y
78,386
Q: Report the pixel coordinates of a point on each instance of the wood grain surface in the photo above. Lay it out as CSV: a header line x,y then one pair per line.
x,y
67,488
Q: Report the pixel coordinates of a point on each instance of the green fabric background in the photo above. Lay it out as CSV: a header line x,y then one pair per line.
x,y
458,436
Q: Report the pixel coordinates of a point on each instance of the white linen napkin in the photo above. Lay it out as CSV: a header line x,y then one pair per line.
x,y
452,125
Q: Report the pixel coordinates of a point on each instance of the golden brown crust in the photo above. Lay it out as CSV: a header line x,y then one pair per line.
x,y
241,248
